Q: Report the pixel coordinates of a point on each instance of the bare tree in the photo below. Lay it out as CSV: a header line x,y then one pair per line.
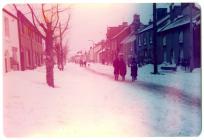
x,y
48,23
65,51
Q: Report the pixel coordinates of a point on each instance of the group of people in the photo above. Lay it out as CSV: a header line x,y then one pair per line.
x,y
82,63
121,69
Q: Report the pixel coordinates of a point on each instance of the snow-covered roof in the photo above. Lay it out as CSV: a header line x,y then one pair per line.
x,y
180,21
158,23
128,39
125,28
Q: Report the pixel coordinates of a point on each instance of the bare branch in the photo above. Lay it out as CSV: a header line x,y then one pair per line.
x,y
34,17
57,19
43,13
56,36
15,7
52,14
67,24
60,11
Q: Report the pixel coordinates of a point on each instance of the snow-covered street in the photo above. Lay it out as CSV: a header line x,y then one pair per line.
x,y
88,102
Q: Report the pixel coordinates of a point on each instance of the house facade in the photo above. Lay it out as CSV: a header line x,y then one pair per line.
x,y
129,44
145,39
116,45
31,46
178,43
112,43
11,49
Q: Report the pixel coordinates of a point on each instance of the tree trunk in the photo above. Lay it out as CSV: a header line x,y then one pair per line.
x,y
49,74
49,59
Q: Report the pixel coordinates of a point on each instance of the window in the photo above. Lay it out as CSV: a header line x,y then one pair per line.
x,y
172,56
150,38
6,23
36,37
139,40
164,55
164,40
181,54
26,30
131,48
144,39
14,52
181,37
22,27
145,53
39,39
30,32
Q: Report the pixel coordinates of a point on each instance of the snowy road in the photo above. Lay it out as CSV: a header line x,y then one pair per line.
x,y
87,103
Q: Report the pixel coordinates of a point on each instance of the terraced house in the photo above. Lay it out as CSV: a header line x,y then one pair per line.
x,y
22,43
30,40
176,43
145,37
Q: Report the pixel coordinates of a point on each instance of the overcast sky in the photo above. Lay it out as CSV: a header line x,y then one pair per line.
x,y
90,21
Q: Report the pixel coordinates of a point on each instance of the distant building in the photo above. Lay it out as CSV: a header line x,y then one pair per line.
x,y
99,54
96,50
112,41
129,43
118,38
11,49
91,54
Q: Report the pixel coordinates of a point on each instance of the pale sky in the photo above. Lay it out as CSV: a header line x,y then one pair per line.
x,y
90,21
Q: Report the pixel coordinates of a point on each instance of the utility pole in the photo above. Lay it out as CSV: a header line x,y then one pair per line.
x,y
155,39
191,39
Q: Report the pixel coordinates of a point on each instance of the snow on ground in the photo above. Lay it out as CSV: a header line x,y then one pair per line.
x,y
87,103
187,82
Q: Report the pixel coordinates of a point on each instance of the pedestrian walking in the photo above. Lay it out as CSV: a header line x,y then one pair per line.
x,y
122,67
116,67
84,63
134,69
80,62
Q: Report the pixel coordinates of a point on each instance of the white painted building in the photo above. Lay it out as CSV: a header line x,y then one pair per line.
x,y
11,55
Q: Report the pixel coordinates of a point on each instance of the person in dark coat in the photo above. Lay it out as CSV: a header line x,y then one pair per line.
x,y
116,66
80,62
134,69
123,68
